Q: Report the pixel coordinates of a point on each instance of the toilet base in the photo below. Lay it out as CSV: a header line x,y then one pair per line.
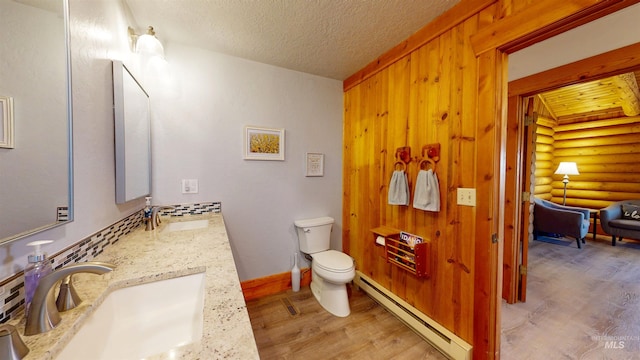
x,y
332,297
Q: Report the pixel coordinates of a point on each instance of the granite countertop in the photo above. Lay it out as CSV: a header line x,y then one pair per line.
x,y
147,256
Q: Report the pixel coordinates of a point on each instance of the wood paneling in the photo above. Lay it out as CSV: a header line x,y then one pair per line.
x,y
455,16
418,100
444,91
489,217
532,22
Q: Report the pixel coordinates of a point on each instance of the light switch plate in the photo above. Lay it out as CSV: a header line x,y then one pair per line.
x,y
467,196
189,186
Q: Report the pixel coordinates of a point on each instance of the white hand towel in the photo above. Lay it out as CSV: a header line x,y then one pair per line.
x,y
427,191
420,193
434,192
398,189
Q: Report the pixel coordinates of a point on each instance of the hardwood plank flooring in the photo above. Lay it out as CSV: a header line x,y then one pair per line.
x,y
370,332
581,304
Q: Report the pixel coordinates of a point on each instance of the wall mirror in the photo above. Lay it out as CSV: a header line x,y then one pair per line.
x,y
36,184
132,136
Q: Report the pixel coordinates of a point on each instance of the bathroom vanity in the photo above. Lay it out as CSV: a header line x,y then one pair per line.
x,y
166,253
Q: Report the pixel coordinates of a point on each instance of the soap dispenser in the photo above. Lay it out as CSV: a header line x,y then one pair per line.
x,y
38,267
148,210
148,214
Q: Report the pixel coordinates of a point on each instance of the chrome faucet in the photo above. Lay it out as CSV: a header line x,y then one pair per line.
x,y
154,221
43,314
11,345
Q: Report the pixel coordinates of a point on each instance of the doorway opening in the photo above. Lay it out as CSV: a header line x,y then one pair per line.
x,y
583,136
592,124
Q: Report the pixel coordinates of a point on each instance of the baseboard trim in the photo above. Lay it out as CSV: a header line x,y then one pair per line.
x,y
272,284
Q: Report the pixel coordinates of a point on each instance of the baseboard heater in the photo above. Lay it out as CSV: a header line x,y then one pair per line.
x,y
437,335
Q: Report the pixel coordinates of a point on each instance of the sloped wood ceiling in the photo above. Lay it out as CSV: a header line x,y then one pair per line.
x,y
612,97
596,125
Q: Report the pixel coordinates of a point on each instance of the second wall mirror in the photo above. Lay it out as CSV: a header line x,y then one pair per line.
x,y
132,135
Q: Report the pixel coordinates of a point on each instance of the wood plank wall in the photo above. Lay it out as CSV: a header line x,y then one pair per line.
x,y
606,153
426,97
450,88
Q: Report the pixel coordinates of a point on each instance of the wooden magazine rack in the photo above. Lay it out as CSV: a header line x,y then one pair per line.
x,y
397,252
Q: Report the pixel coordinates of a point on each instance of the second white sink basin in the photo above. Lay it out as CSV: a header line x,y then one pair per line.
x,y
142,320
187,225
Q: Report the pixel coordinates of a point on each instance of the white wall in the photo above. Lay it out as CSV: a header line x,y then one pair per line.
x,y
98,34
608,33
31,79
201,104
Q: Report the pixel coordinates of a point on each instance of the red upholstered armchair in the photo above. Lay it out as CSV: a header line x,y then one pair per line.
x,y
552,218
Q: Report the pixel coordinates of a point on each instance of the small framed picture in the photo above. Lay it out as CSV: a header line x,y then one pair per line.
x,y
263,143
315,164
6,122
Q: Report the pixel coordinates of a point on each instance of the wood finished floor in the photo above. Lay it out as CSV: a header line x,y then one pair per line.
x,y
370,332
581,304
577,300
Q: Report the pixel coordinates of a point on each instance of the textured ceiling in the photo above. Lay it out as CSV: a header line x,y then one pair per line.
x,y
330,38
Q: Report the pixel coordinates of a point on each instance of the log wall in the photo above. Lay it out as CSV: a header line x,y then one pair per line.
x,y
607,153
544,158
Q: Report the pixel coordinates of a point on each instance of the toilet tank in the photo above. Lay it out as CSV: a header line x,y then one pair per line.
x,y
314,235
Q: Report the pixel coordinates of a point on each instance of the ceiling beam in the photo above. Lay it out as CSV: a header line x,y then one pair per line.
x,y
549,108
629,94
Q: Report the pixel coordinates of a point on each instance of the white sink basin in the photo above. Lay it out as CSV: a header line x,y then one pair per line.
x,y
142,320
187,225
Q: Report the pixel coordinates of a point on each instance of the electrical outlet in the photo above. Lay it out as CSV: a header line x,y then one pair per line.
x,y
467,196
189,186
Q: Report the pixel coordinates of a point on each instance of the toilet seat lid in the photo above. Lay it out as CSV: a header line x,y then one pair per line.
x,y
332,260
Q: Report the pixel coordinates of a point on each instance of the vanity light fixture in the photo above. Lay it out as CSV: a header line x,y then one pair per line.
x,y
146,44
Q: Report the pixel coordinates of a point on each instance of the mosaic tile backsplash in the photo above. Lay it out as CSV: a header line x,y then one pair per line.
x,y
12,299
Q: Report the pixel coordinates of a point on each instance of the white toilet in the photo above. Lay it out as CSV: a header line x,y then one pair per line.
x,y
331,270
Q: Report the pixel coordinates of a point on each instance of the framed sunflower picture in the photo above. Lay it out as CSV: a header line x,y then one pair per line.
x,y
263,143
